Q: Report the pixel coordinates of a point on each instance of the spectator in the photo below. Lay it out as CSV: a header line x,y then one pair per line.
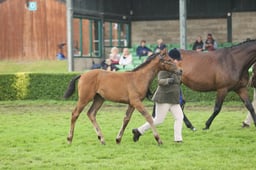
x,y
160,46
126,58
109,66
198,44
114,55
143,50
210,43
60,55
113,60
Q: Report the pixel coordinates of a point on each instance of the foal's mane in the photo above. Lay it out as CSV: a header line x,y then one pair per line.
x,y
148,60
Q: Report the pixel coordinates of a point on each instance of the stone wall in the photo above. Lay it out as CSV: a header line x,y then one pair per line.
x,y
243,24
81,63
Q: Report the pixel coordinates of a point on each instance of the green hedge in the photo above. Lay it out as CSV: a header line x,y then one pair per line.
x,y
52,86
33,86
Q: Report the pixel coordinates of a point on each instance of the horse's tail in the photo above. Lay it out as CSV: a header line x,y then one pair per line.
x,y
71,87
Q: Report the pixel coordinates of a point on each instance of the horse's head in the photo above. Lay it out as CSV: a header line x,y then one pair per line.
x,y
167,63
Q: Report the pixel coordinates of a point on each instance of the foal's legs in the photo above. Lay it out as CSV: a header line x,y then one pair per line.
x,y
126,120
75,114
97,103
221,94
140,107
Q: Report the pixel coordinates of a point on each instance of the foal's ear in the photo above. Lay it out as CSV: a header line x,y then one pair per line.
x,y
163,52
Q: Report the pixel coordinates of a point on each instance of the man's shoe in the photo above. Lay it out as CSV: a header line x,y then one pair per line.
x,y
245,125
136,135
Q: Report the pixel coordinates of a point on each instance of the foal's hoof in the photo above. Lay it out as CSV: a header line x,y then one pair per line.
x,y
118,141
69,139
160,143
103,142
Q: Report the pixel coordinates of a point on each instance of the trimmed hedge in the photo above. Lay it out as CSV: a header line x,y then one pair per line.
x,y
33,86
52,86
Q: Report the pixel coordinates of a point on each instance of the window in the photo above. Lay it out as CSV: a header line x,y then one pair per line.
x,y
91,38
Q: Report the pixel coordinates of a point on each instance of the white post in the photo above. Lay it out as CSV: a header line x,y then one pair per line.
x,y
183,24
70,35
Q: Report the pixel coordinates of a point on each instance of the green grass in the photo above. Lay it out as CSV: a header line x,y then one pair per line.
x,y
34,66
33,136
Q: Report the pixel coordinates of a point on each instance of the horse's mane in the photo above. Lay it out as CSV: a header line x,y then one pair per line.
x,y
150,58
244,42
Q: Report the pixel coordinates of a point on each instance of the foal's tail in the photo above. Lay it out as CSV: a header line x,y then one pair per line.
x,y
71,87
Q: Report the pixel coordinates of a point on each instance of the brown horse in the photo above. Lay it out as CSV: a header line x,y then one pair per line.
x,y
222,70
124,87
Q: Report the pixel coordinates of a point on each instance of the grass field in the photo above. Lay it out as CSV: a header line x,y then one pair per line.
x,y
34,66
33,136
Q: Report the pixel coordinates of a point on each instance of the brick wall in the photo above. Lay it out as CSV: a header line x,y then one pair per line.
x,y
243,24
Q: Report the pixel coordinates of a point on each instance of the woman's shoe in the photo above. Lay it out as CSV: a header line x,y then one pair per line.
x,y
136,135
245,125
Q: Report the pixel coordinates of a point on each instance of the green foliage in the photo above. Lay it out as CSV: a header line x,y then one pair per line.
x,y
21,85
48,86
7,91
52,86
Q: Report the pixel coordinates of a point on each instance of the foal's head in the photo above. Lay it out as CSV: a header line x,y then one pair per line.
x,y
166,62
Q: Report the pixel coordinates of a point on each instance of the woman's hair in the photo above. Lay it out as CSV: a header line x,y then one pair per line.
x,y
113,49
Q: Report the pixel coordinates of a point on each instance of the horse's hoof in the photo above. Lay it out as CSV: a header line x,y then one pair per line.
x,y
193,128
103,142
206,128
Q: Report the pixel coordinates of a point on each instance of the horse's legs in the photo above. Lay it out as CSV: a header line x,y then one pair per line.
x,y
97,103
75,114
243,93
126,120
140,107
188,123
221,94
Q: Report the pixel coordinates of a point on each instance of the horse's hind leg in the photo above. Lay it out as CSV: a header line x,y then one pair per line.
x,y
75,114
126,120
97,103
